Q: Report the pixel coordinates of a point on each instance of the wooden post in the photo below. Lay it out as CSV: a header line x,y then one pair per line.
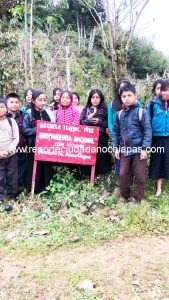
x,y
33,178
92,175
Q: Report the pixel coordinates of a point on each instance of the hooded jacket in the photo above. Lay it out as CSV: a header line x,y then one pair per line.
x,y
67,115
129,131
160,120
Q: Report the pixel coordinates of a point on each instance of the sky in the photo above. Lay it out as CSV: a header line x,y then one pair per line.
x,y
154,24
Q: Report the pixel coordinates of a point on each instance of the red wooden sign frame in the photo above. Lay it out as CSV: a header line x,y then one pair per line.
x,y
65,143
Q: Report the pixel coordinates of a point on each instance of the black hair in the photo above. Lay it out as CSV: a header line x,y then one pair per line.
x,y
12,95
165,85
128,87
77,95
158,81
117,103
102,99
35,95
26,91
3,101
57,89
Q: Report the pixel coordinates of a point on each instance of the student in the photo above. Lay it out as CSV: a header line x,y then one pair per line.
x,y
113,107
9,138
156,91
44,171
14,104
67,113
76,102
159,115
95,114
131,136
56,99
28,99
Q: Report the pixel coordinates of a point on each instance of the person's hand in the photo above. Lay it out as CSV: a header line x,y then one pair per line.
x,y
90,116
117,154
143,154
95,120
3,154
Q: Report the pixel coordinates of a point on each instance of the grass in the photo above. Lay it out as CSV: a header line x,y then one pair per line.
x,y
66,223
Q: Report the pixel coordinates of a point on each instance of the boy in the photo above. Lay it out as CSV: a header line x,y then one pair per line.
x,y
9,138
132,134
13,104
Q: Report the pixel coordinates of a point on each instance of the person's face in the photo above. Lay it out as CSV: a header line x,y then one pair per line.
x,y
57,95
75,100
40,102
13,104
128,98
65,99
158,89
3,110
165,94
29,97
95,100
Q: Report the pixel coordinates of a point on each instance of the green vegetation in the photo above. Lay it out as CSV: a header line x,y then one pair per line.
x,y
75,211
57,28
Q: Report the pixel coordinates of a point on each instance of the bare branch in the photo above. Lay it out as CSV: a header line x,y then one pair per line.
x,y
135,23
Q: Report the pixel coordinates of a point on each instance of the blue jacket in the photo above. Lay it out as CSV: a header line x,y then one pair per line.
x,y
129,131
112,116
160,120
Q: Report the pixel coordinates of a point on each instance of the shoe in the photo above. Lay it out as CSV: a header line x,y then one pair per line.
x,y
134,200
7,207
158,193
121,200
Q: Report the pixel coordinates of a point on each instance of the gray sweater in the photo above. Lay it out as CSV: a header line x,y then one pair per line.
x,y
9,136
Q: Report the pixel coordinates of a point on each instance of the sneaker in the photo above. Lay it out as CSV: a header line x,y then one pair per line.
x,y
134,200
121,200
7,207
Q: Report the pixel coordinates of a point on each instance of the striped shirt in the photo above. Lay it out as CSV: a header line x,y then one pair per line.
x,y
68,115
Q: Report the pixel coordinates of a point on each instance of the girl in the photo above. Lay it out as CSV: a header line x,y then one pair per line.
x,y
156,90
95,114
56,99
67,113
44,169
76,102
113,107
28,99
160,126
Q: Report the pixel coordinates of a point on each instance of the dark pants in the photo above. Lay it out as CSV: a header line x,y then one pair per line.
x,y
132,169
21,169
9,176
44,174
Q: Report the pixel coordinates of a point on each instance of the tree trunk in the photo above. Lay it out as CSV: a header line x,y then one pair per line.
x,y
26,46
31,26
68,71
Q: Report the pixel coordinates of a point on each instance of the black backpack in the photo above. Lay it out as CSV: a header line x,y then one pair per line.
x,y
152,109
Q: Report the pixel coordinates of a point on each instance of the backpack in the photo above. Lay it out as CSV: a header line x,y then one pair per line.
x,y
140,114
152,109
10,123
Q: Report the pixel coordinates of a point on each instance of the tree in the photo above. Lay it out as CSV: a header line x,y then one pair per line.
x,y
116,41
143,59
5,7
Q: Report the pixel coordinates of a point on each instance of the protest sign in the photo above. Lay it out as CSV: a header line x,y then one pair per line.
x,y
70,144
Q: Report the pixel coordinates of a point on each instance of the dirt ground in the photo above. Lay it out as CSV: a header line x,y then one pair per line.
x,y
125,268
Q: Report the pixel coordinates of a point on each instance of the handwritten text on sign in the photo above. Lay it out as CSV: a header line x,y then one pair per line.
x,y
66,143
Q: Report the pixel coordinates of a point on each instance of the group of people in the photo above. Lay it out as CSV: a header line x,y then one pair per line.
x,y
130,127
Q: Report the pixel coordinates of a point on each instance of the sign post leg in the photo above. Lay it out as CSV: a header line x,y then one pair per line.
x,y
33,178
92,175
